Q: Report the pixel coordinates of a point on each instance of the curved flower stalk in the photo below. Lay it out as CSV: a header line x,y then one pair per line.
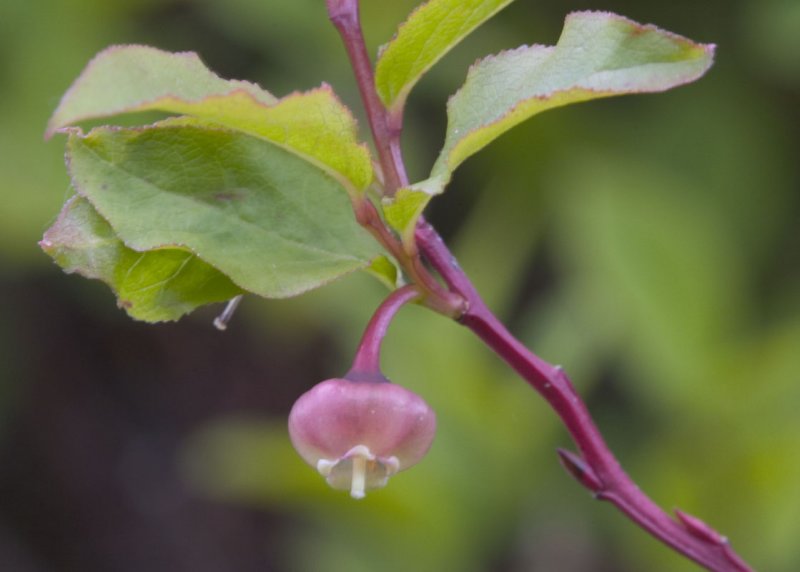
x,y
359,430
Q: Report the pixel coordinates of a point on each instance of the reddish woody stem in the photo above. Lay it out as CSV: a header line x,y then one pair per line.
x,y
344,15
367,362
435,295
596,468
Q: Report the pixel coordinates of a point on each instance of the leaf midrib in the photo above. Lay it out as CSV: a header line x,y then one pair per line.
x,y
194,201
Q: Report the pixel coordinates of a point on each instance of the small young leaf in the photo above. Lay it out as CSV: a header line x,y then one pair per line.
x,y
385,271
154,286
598,55
430,32
127,79
404,209
273,223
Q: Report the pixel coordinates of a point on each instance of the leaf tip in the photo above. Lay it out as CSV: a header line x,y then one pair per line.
x,y
57,121
46,244
49,131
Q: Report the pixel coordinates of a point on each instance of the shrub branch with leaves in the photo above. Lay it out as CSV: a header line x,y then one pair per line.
x,y
240,192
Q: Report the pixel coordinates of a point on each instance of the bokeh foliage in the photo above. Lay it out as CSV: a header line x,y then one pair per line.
x,y
648,244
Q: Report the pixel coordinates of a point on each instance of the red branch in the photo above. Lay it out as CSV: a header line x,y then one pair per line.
x,y
345,16
595,468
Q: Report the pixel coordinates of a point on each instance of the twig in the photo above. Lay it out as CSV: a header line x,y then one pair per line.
x,y
596,468
344,14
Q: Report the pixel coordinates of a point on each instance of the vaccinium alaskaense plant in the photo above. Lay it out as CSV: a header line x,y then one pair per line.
x,y
242,192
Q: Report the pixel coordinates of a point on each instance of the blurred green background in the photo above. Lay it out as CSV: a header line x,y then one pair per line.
x,y
650,245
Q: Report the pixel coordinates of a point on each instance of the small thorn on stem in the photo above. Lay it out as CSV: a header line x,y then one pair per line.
x,y
699,529
578,468
358,482
221,321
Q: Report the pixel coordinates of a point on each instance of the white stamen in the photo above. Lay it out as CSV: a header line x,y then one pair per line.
x,y
359,477
392,465
221,321
324,466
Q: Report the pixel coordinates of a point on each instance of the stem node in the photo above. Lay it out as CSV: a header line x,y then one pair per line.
x,y
578,468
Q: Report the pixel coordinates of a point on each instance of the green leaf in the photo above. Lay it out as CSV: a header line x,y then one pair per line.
x,y
121,79
598,55
155,286
272,222
430,32
385,271
127,79
402,211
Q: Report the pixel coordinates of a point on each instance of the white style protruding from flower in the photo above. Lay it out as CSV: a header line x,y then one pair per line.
x,y
359,470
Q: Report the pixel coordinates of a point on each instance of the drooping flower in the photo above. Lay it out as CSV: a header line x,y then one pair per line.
x,y
359,433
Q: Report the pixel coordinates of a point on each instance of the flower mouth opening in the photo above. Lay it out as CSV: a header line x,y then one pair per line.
x,y
358,471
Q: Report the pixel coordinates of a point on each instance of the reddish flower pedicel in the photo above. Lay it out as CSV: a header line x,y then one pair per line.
x,y
359,433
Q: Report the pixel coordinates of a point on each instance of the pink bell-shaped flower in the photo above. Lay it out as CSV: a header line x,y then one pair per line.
x,y
359,433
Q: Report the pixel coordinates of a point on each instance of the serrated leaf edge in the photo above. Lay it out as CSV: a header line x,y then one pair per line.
x,y
440,176
243,88
53,127
397,100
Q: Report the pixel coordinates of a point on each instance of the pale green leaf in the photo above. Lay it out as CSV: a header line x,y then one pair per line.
x,y
385,270
127,79
269,220
155,286
598,55
430,32
402,211
121,79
